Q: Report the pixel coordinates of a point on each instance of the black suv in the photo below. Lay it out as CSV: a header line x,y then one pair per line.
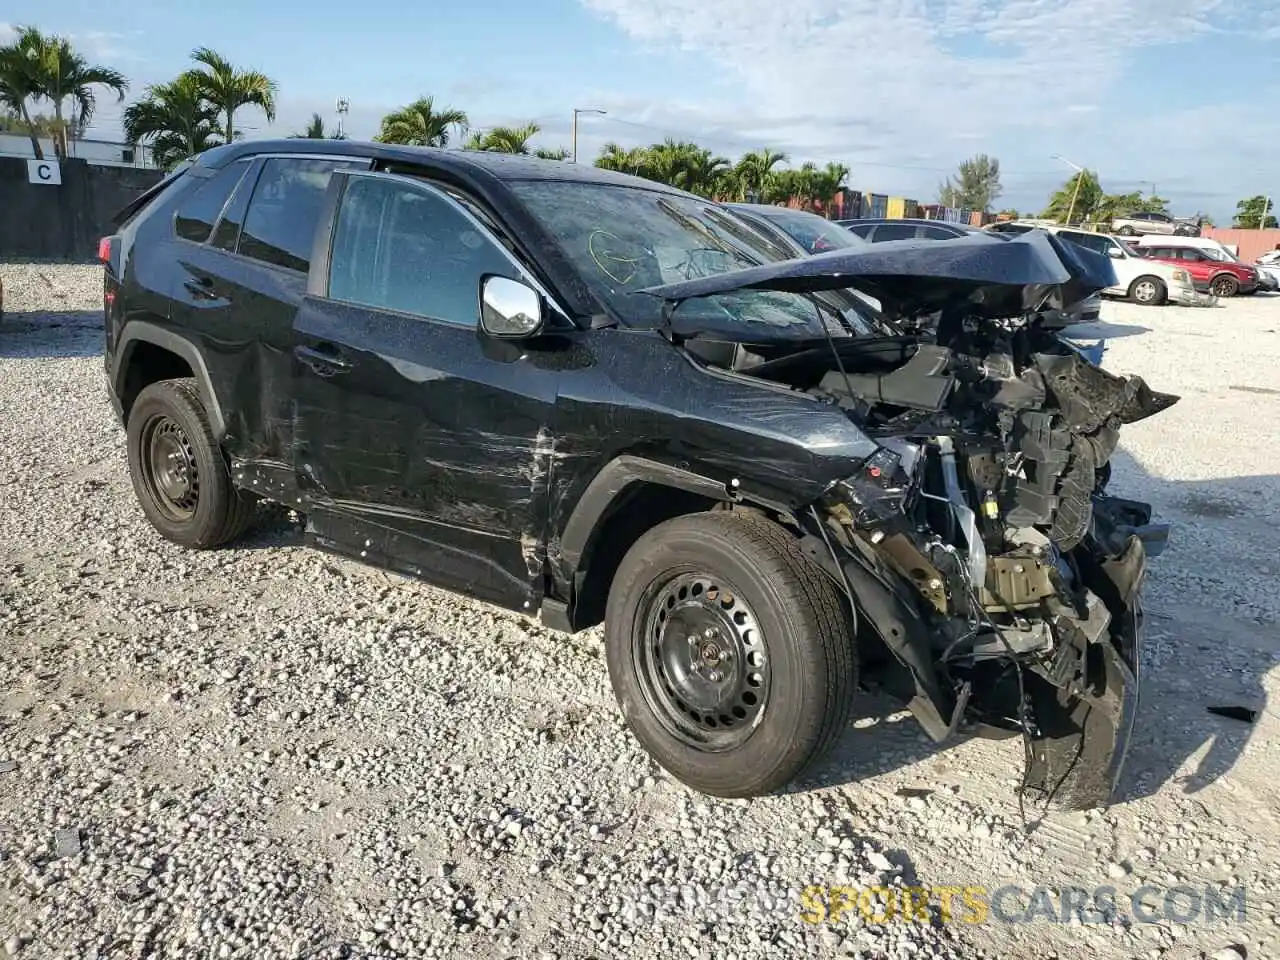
x,y
590,397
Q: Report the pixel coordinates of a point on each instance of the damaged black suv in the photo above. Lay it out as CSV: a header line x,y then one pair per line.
x,y
593,398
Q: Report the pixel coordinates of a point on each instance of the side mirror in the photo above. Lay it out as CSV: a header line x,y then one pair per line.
x,y
509,309
1114,253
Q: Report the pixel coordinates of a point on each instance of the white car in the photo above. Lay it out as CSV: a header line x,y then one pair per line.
x,y
1143,281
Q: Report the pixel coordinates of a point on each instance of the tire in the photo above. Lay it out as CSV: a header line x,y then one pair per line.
x,y
1127,231
1224,285
179,475
1148,291
774,657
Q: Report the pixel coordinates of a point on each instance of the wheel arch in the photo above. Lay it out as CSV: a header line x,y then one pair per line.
x,y
146,353
629,496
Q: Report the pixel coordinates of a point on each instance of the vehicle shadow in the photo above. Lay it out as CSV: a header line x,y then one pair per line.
x,y
49,334
1210,643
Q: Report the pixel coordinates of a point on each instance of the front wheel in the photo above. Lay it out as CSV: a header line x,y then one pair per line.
x,y
1224,285
731,654
1149,291
1127,232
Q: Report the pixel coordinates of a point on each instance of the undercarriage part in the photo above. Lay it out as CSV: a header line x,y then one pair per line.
x,y
965,516
1035,637
1015,583
912,564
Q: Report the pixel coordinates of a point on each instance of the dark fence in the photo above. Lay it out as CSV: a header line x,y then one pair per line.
x,y
45,222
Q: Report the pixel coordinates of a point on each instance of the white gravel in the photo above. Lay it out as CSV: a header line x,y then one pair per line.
x,y
267,752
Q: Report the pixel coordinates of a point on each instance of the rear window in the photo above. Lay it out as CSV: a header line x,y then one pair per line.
x,y
284,211
200,211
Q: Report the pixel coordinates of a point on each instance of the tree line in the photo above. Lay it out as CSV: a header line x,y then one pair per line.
x,y
196,111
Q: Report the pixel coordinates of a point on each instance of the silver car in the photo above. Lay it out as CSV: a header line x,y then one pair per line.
x,y
1143,222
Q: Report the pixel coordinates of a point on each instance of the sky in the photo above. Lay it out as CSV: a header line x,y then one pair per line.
x,y
1178,95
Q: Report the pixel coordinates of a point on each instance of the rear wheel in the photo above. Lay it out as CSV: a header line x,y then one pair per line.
x,y
1224,285
178,472
1127,231
1149,291
731,654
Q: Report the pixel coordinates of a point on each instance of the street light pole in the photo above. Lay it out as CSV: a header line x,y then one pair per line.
x,y
1076,192
343,106
1266,207
576,111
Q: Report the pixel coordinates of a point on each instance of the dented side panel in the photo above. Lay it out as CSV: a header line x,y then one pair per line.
x,y
438,438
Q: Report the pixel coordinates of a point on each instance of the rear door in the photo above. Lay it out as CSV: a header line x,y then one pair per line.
x,y
422,444
244,245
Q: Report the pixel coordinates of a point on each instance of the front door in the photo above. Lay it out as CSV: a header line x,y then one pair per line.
x,y
421,444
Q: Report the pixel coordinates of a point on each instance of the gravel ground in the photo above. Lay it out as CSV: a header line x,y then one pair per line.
x,y
268,752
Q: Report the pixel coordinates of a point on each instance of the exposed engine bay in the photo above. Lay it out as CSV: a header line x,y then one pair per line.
x,y
977,544
979,539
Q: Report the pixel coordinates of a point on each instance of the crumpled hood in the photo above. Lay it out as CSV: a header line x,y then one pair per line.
x,y
1002,276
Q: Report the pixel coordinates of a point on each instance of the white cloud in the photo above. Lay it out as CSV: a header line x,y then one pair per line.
x,y
878,79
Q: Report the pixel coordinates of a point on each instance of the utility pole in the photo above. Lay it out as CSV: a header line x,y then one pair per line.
x,y
1266,206
343,106
1076,192
576,111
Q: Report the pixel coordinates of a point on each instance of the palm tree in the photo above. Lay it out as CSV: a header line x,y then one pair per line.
x,y
511,139
175,119
19,73
559,153
420,124
229,89
64,73
614,157
315,131
755,170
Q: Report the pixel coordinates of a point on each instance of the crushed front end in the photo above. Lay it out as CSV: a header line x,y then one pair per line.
x,y
978,544
982,545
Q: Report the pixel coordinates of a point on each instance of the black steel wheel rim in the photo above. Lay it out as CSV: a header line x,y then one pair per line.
x,y
702,661
1222,287
169,468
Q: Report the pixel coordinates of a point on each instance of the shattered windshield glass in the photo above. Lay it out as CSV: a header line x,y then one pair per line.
x,y
623,240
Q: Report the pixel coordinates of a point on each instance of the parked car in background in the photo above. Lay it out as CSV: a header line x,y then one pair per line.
x,y
881,230
1268,276
1142,280
803,232
1269,268
1144,222
1212,271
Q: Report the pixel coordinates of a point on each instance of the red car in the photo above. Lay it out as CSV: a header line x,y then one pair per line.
x,y
1222,278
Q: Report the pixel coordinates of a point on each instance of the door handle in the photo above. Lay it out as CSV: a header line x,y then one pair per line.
x,y
200,287
324,360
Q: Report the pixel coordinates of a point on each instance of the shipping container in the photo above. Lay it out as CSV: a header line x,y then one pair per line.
x,y
896,208
852,208
933,211
876,206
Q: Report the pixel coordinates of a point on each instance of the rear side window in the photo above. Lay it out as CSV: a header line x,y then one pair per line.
x,y
895,231
397,246
199,212
284,211
227,233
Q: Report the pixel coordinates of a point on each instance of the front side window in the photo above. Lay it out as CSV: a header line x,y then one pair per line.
x,y
281,222
197,214
398,245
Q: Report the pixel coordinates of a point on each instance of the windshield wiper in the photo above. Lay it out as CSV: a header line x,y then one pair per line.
x,y
718,242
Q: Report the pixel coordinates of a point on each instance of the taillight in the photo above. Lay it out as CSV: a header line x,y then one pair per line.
x,y
104,249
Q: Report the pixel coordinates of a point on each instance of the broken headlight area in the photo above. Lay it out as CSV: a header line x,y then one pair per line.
x,y
982,545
